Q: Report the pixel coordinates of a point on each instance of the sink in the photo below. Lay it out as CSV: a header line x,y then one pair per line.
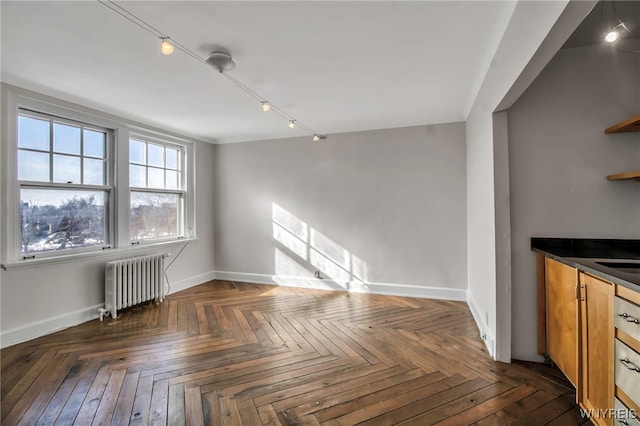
x,y
628,267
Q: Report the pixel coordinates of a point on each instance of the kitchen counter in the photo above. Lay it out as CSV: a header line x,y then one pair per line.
x,y
584,253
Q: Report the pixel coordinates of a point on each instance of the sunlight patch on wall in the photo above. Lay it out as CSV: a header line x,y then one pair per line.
x,y
330,249
290,241
290,272
315,250
329,268
291,223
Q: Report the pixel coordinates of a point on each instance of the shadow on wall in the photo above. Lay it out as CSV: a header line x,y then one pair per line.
x,y
341,270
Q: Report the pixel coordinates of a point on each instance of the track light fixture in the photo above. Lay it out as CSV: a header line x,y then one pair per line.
x,y
611,36
613,33
166,47
220,61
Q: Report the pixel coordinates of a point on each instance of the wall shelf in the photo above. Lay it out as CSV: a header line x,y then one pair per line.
x,y
629,125
621,176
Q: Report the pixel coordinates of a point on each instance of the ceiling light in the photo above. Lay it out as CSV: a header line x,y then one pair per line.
x,y
221,61
166,46
611,36
316,138
614,33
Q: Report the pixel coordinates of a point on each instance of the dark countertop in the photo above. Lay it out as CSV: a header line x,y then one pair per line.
x,y
584,253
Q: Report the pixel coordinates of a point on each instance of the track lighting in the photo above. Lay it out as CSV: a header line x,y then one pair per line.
x,y
166,46
613,33
220,61
611,36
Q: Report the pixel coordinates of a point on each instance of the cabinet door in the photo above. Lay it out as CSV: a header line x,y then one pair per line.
x,y
562,317
597,345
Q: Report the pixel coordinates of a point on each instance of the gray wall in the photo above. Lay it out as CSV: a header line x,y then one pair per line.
x,y
393,199
558,159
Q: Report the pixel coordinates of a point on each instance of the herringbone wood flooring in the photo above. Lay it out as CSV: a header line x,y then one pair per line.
x,y
245,354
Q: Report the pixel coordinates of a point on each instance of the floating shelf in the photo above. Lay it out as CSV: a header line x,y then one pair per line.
x,y
622,176
629,125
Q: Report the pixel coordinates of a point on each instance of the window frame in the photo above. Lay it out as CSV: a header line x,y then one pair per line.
x,y
182,189
14,100
107,187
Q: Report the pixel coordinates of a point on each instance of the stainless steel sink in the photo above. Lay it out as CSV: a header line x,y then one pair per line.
x,y
623,266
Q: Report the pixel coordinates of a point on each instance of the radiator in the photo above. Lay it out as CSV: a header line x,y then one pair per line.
x,y
132,281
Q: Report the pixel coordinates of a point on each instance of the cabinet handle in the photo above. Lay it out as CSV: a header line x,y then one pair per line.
x,y
629,318
631,366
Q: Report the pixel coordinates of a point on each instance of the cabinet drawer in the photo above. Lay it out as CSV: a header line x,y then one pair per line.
x,y
624,416
627,317
628,371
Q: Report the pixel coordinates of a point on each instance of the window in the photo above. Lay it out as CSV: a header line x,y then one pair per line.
x,y
78,182
62,170
157,197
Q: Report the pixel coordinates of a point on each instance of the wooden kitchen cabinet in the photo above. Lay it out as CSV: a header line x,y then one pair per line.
x,y
596,383
561,283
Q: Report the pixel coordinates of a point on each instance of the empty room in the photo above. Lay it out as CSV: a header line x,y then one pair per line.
x,y
320,212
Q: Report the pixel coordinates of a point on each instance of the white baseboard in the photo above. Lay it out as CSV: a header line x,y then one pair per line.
x,y
405,290
62,321
191,282
485,332
48,326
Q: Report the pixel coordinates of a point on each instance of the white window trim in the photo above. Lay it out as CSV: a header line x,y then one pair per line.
x,y
119,175
187,187
107,187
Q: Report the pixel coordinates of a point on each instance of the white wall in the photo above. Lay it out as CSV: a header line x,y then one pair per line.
x,y
41,299
559,156
393,200
489,288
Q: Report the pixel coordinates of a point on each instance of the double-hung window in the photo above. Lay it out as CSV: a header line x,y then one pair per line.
x,y
157,190
79,182
63,173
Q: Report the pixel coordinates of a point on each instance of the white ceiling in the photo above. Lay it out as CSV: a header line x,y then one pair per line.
x,y
335,66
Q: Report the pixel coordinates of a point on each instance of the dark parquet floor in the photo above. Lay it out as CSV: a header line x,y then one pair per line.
x,y
229,353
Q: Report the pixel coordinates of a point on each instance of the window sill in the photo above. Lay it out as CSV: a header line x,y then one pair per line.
x,y
29,263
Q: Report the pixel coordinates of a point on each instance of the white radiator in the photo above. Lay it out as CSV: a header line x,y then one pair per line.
x,y
132,281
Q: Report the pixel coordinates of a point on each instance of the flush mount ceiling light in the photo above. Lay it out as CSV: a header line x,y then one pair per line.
x,y
220,61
